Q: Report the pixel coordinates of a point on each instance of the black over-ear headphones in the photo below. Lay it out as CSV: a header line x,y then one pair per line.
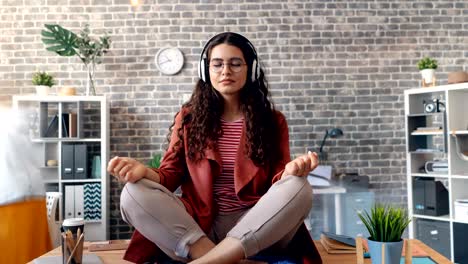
x,y
203,65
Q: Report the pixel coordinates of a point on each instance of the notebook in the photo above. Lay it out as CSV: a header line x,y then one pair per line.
x,y
341,238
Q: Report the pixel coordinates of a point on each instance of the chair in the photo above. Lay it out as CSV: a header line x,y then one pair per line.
x,y
23,230
52,199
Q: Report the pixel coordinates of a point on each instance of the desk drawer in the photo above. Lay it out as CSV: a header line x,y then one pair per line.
x,y
460,242
435,234
352,203
358,200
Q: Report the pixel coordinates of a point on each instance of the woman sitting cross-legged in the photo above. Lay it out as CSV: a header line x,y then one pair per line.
x,y
243,199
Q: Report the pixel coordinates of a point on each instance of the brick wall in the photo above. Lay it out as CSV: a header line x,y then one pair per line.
x,y
330,64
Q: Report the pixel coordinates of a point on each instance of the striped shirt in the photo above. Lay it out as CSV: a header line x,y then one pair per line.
x,y
223,187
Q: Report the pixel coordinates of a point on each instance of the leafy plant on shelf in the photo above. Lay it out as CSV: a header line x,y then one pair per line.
x,y
43,78
385,223
427,63
155,162
66,43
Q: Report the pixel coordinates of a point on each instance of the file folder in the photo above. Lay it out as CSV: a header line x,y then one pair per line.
x,y
69,201
81,161
79,201
67,162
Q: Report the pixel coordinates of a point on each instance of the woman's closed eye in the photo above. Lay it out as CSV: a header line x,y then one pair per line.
x,y
218,65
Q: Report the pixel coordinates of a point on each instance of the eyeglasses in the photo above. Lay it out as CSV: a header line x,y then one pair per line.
x,y
235,65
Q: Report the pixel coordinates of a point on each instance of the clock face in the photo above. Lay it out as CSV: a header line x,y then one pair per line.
x,y
169,61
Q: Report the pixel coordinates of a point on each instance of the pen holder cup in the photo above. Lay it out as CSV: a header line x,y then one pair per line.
x,y
72,250
72,241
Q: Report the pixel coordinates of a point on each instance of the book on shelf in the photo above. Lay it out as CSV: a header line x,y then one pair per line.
x,y
424,150
429,129
72,125
65,125
423,130
69,126
52,128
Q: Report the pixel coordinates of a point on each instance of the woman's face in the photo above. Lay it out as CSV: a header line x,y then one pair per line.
x,y
228,69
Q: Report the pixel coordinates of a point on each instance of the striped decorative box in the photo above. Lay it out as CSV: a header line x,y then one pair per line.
x,y
92,201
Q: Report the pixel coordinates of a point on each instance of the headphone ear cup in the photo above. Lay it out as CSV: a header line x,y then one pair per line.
x,y
258,71
202,69
255,72
206,71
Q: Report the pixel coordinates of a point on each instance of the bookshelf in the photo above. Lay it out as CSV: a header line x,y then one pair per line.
x,y
74,131
438,137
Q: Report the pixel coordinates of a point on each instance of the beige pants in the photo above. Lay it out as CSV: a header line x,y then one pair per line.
x,y
161,217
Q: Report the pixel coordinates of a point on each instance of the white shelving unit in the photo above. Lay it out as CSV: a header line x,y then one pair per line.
x,y
448,143
88,127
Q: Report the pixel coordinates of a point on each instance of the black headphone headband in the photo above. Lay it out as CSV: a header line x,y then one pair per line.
x,y
203,65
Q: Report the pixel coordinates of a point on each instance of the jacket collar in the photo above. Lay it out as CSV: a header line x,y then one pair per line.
x,y
244,168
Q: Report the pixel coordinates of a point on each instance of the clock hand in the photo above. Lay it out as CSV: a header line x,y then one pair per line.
x,y
165,61
167,57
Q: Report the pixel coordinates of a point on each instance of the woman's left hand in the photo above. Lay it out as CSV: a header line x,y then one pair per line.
x,y
302,165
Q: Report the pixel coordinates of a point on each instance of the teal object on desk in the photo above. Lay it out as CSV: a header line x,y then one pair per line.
x,y
419,260
415,260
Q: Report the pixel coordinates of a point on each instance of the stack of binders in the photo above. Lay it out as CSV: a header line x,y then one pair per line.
x,y
74,161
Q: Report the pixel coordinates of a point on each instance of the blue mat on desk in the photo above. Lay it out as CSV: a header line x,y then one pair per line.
x,y
419,260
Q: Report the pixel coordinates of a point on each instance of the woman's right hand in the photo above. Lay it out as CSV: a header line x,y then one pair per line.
x,y
126,169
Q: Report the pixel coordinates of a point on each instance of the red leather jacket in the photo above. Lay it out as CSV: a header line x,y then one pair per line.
x,y
196,180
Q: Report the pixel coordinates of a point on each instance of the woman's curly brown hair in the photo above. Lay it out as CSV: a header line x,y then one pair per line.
x,y
206,107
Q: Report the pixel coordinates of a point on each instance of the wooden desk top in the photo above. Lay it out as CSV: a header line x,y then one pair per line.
x,y
351,258
107,257
115,256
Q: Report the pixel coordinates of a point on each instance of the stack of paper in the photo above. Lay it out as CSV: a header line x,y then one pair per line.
x,y
320,176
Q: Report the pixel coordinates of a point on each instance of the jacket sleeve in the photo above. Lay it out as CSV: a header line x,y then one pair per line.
x,y
283,152
173,166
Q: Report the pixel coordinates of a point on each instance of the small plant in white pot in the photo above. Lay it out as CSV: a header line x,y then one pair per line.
x,y
386,225
427,67
43,81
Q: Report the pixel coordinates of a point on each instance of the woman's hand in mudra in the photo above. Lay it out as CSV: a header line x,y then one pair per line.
x,y
302,165
126,169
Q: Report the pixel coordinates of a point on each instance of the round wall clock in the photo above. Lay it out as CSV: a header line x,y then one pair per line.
x,y
169,60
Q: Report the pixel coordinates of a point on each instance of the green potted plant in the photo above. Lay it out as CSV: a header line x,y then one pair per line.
x,y
155,162
427,67
43,81
386,225
66,43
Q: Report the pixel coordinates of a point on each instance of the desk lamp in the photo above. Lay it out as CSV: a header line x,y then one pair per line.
x,y
332,133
